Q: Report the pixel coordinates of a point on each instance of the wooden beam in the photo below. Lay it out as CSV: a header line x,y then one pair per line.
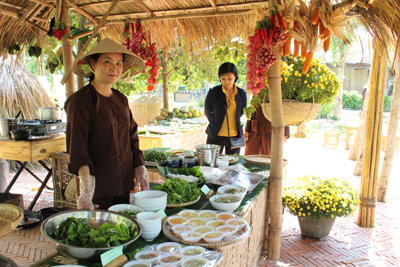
x,y
143,6
82,12
43,3
17,16
34,13
84,34
10,5
58,10
103,3
184,11
95,31
27,13
213,4
184,16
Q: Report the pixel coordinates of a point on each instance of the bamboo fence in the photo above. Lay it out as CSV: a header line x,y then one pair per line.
x,y
369,176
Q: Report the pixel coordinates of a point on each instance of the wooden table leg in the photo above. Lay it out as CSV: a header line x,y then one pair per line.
x,y
14,179
39,192
346,146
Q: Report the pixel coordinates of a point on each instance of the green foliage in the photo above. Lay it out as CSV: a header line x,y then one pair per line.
x,y
387,104
352,100
179,191
261,97
326,110
78,232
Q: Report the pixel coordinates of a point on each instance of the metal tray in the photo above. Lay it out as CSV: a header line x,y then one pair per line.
x,y
249,180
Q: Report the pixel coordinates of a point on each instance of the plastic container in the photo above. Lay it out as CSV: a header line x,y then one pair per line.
x,y
215,223
188,214
191,236
137,263
148,255
195,261
213,237
196,222
171,258
179,229
176,220
240,223
203,229
228,230
169,247
225,216
192,251
208,214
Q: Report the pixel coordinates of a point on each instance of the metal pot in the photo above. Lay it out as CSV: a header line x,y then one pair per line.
x,y
50,114
6,125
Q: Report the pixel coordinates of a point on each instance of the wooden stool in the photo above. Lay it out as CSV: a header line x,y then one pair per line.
x,y
348,131
331,137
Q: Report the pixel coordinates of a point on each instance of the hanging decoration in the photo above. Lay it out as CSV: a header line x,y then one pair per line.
x,y
59,30
139,43
269,32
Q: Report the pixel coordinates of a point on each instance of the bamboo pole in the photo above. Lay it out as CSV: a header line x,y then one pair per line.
x,y
67,50
82,12
144,7
369,176
43,3
95,31
84,34
81,80
275,179
27,13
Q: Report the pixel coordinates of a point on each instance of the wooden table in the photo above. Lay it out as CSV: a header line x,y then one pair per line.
x,y
26,151
348,131
189,140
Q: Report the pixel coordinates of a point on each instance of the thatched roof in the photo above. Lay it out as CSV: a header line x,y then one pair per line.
x,y
20,90
198,22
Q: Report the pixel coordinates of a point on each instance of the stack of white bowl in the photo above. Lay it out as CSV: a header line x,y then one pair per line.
x,y
151,200
150,222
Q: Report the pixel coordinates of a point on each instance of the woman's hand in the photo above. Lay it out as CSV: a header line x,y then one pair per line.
x,y
142,177
246,136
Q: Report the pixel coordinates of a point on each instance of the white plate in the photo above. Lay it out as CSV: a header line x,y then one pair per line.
x,y
122,207
209,173
151,163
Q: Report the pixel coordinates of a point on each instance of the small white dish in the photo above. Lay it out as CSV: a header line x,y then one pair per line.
x,y
191,236
203,229
148,255
215,223
188,214
196,222
213,237
169,247
240,223
126,208
225,202
171,258
208,214
225,216
192,251
176,220
179,229
198,261
137,263
228,230
150,235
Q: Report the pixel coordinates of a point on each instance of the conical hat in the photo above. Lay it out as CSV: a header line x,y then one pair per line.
x,y
109,46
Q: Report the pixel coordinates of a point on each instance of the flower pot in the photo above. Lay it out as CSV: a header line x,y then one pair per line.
x,y
311,227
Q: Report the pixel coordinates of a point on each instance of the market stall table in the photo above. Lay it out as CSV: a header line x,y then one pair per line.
x,y
33,150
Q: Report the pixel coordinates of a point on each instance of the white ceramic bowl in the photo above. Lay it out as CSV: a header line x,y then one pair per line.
x,y
203,229
213,237
149,216
126,207
228,230
236,200
154,208
239,190
208,214
215,223
179,229
192,251
188,214
137,263
169,247
148,255
152,196
176,220
150,235
171,258
191,236
198,261
147,228
209,173
225,216
149,201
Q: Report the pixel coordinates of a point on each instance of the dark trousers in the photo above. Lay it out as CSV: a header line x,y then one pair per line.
x,y
106,202
224,143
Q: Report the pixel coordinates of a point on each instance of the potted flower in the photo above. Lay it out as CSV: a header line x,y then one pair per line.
x,y
302,94
318,201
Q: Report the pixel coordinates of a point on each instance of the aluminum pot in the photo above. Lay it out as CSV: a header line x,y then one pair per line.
x,y
50,114
207,154
6,125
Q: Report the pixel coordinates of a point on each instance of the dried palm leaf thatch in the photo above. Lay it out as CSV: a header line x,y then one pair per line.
x,y
20,90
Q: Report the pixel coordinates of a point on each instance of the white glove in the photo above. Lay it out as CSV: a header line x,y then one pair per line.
x,y
142,177
86,186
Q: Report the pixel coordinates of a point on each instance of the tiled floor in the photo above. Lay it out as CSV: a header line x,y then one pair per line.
x,y
347,244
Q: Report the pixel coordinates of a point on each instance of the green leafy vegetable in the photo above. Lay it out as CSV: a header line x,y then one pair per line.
x,y
154,155
78,232
179,191
130,213
195,171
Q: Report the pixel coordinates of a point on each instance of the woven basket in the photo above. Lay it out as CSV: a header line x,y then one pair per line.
x,y
295,113
143,112
70,190
10,217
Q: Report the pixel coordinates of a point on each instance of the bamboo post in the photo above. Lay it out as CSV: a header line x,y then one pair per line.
x,y
67,50
80,80
369,176
275,178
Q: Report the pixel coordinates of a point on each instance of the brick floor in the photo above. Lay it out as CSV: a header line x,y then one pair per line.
x,y
347,244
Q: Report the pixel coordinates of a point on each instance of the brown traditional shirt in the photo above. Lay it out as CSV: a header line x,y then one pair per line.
x,y
102,134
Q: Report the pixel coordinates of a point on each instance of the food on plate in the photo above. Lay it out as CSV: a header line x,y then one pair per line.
x,y
227,199
225,216
179,191
215,223
196,222
78,232
130,213
208,214
176,220
153,155
189,214
188,178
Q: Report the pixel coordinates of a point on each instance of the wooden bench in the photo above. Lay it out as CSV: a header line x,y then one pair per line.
x,y
331,137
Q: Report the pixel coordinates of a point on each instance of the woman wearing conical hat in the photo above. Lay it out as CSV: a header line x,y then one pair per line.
x,y
102,138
